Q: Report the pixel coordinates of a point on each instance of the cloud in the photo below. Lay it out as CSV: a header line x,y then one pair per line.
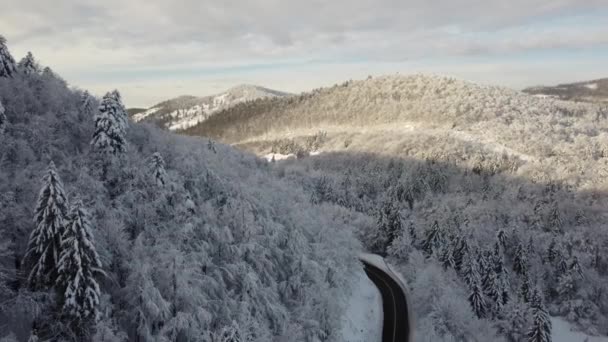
x,y
152,39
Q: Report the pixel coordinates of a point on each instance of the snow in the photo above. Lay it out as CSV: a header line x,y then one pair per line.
x,y
562,332
278,156
592,86
140,116
364,318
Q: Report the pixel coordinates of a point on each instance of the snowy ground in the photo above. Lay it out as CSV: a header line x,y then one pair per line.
x,y
562,332
363,319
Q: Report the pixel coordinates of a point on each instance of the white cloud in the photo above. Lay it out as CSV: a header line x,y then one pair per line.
x,y
150,42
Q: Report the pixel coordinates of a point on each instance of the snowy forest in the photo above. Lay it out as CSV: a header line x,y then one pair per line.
x,y
113,231
116,231
492,203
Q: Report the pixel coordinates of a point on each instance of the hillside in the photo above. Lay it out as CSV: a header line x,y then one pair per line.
x,y
196,241
589,91
454,177
186,111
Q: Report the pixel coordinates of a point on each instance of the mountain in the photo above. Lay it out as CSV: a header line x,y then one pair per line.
x,y
186,111
589,91
453,179
133,111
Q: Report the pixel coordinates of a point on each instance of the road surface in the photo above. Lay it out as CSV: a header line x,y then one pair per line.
x,y
396,326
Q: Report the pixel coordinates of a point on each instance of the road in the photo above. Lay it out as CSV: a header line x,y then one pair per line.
x,y
396,326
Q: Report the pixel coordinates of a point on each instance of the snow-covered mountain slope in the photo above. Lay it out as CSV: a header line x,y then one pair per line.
x,y
186,111
589,91
414,116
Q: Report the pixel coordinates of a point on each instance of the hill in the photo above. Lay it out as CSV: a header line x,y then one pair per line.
x,y
133,111
587,91
448,169
186,111
196,240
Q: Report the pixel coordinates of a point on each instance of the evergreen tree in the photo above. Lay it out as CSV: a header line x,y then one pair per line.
x,y
389,224
541,325
555,218
566,286
44,245
470,268
446,256
476,298
86,104
520,261
460,251
575,267
432,239
552,251
157,167
524,290
501,236
28,65
77,268
7,63
110,125
3,119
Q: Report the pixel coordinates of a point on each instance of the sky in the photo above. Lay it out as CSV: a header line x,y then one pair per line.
x,y
152,50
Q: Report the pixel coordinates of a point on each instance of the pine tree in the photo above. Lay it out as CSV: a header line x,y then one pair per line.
x,y
86,104
389,224
476,298
7,63
44,245
78,266
541,325
501,236
520,261
446,256
3,119
110,125
524,290
460,251
432,239
575,267
552,251
28,65
157,167
566,286
555,218
470,268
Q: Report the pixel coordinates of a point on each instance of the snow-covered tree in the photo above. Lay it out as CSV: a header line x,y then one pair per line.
x,y
157,168
7,63
86,104
432,239
78,266
110,125
476,297
552,251
44,245
470,268
524,290
541,325
28,65
3,119
520,261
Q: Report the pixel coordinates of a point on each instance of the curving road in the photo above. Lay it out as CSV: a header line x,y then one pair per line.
x,y
397,320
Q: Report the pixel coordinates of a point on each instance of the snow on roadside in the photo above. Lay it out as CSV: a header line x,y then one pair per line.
x,y
562,332
364,318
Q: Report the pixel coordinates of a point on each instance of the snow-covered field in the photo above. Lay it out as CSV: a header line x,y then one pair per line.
x,y
562,332
364,317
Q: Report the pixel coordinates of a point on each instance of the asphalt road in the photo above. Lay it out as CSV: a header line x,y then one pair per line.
x,y
396,326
